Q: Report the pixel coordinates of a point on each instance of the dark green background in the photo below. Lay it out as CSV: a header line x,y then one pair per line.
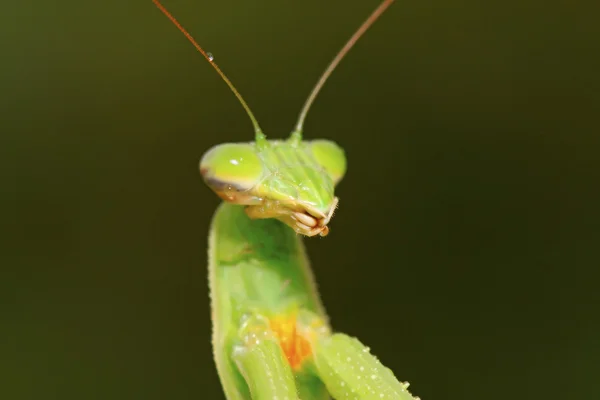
x,y
465,251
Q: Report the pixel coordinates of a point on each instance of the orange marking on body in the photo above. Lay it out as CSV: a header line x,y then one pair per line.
x,y
295,346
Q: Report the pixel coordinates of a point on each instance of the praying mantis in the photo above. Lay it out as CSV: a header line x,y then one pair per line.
x,y
271,335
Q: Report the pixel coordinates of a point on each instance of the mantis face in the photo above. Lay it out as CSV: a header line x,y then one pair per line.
x,y
294,183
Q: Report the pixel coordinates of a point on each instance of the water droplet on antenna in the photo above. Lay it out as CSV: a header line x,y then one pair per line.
x,y
210,56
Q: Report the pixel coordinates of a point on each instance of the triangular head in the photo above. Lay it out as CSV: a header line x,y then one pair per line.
x,y
294,183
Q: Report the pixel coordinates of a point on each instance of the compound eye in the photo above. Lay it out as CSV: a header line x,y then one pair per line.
x,y
331,157
232,165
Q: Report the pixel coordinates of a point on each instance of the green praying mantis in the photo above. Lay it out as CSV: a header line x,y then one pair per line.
x,y
271,335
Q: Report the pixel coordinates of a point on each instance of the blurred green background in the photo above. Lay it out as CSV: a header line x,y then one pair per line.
x,y
465,251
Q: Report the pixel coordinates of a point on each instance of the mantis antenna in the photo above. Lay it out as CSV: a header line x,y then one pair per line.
x,y
297,134
260,136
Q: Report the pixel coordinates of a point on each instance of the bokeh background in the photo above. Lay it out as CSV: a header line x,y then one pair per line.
x,y
465,251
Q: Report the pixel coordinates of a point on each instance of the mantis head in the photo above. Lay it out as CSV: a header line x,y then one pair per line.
x,y
291,180
294,184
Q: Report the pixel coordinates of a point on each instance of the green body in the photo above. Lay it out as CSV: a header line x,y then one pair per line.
x,y
258,272
258,269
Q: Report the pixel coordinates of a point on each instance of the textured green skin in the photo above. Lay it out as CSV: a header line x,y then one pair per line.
x,y
350,371
257,268
294,173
